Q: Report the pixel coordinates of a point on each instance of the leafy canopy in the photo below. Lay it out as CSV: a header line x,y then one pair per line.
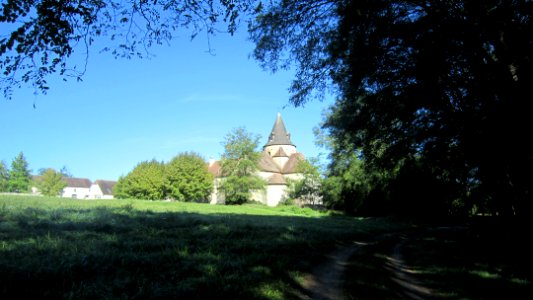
x,y
4,177
239,166
19,175
50,183
146,181
442,85
306,188
188,178
40,36
184,178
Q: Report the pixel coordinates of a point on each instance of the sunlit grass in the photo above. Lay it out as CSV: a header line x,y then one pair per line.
x,y
81,249
67,248
484,274
520,281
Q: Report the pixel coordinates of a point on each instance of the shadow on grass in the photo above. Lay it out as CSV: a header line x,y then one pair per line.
x,y
484,260
122,252
367,276
126,253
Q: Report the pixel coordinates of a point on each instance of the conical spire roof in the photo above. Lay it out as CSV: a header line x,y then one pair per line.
x,y
279,135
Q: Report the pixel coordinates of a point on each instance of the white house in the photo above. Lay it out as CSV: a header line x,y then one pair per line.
x,y
277,164
83,188
102,189
77,188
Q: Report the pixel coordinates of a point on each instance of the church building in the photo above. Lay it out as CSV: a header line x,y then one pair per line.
x,y
277,164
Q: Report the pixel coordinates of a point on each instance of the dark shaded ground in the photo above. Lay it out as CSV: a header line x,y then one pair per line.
x,y
124,253
484,259
327,279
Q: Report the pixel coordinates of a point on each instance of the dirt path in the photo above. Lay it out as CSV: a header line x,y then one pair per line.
x,y
408,286
326,280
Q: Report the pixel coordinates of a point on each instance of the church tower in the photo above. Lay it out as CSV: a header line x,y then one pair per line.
x,y
279,145
278,164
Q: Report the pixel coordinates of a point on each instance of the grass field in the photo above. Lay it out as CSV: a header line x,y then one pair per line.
x,y
63,248
127,249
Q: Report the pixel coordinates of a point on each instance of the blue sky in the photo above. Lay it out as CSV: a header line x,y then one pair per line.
x,y
128,111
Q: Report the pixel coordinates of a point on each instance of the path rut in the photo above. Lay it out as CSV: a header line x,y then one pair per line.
x,y
326,280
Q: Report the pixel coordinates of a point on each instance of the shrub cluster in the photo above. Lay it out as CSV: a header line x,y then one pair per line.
x,y
184,178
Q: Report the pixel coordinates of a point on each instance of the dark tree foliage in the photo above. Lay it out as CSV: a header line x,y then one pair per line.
x,y
188,178
39,36
4,177
50,183
439,88
146,181
19,175
239,165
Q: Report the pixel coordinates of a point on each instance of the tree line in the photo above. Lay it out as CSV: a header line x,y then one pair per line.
x,y
18,178
432,113
183,178
186,177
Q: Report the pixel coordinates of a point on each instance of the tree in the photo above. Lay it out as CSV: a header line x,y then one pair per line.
x,y
42,35
239,166
19,176
145,181
443,85
347,184
120,190
50,183
308,188
4,177
188,178
65,172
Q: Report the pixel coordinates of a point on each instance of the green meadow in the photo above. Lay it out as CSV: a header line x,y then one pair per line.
x,y
130,249
63,248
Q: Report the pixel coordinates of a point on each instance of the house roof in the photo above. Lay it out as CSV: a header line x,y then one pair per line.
x,y
279,135
77,182
280,153
276,179
267,164
214,168
106,186
292,163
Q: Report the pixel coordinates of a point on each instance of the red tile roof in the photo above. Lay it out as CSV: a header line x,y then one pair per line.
x,y
267,164
106,186
276,179
292,163
280,153
77,182
214,168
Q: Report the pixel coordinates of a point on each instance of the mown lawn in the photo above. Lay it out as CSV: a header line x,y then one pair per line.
x,y
63,248
129,249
